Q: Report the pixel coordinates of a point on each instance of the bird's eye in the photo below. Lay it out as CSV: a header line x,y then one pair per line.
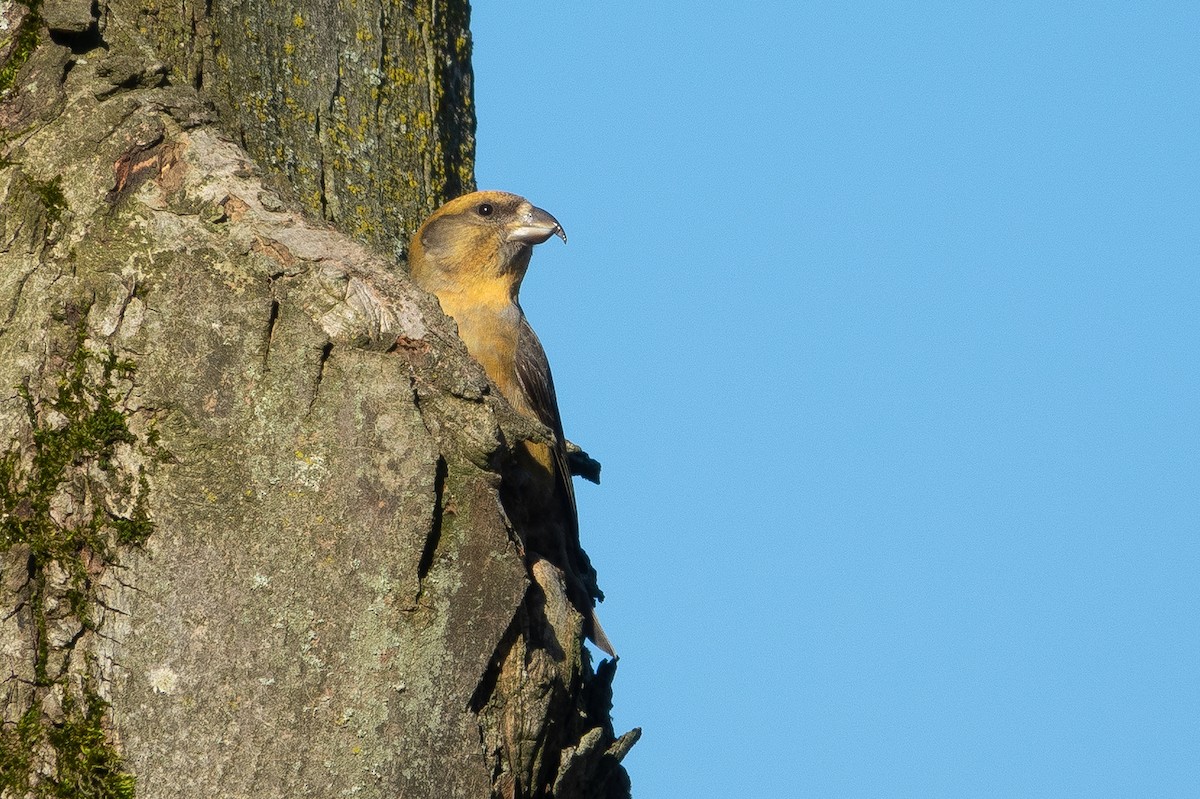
x,y
485,209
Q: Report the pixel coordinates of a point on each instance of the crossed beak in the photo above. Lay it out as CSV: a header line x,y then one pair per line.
x,y
535,226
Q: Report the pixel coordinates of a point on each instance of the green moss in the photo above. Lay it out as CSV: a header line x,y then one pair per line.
x,y
78,429
86,765
26,40
16,748
52,196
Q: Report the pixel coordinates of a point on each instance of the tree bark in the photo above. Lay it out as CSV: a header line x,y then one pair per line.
x,y
250,536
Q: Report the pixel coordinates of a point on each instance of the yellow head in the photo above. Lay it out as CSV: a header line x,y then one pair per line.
x,y
480,240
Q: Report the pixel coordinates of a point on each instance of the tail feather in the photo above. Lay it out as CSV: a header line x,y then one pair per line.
x,y
599,638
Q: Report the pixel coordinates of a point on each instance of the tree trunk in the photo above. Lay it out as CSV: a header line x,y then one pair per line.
x,y
250,539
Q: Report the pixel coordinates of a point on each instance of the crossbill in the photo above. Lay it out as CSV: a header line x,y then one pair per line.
x,y
472,253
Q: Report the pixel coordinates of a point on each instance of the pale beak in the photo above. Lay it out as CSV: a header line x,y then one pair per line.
x,y
535,226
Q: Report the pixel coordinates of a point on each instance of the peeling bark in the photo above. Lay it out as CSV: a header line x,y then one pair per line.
x,y
297,578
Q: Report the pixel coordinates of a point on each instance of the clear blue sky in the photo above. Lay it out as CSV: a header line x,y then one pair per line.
x,y
885,326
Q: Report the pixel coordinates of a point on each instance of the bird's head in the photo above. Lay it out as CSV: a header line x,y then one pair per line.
x,y
480,238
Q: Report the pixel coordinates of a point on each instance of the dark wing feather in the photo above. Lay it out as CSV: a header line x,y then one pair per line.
x,y
537,384
533,373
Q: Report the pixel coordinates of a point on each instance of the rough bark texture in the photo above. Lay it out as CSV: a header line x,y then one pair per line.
x,y
365,108
250,540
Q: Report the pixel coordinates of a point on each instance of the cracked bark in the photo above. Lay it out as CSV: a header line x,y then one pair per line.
x,y
331,601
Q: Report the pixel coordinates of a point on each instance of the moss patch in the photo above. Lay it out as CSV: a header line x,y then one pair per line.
x,y
85,764
51,194
78,431
26,40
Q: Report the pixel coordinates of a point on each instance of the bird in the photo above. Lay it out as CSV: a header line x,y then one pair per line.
x,y
472,254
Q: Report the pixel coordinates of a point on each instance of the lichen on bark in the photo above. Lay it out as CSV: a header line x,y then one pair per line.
x,y
365,109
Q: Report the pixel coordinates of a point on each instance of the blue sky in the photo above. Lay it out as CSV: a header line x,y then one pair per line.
x,y
884,324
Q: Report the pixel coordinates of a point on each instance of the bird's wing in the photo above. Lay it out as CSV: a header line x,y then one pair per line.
x,y
537,385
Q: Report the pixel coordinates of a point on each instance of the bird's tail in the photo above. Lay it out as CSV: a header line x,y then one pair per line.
x,y
565,592
599,638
